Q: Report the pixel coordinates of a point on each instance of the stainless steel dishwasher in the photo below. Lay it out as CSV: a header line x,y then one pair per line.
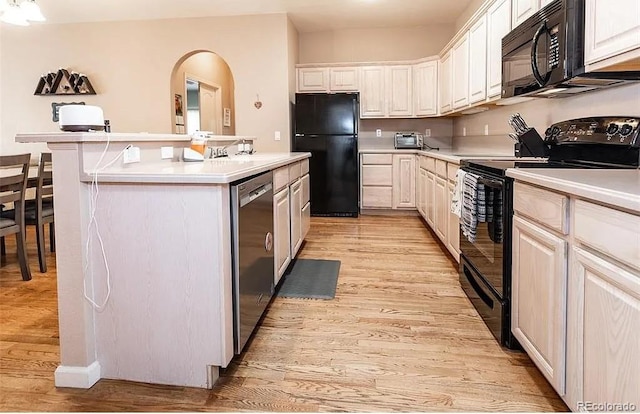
x,y
252,248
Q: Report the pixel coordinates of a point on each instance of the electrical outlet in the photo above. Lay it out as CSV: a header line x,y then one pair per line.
x,y
378,132
427,132
464,131
131,155
276,136
486,129
166,153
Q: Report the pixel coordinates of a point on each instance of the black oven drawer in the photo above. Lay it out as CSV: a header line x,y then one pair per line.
x,y
493,310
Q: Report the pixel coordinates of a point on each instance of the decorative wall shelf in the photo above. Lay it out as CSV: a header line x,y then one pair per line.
x,y
63,83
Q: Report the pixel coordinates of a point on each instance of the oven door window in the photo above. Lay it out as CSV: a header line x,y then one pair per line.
x,y
486,252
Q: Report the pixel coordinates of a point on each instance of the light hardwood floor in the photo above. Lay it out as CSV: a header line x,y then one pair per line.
x,y
399,336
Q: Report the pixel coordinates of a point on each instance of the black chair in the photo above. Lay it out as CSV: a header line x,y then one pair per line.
x,y
14,173
39,212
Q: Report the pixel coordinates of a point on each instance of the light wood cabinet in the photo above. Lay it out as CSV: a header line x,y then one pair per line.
x,y
441,212
296,216
498,25
313,79
281,221
478,61
343,79
538,298
372,92
611,28
306,220
422,192
431,199
603,333
399,91
460,72
425,88
404,181
445,82
522,9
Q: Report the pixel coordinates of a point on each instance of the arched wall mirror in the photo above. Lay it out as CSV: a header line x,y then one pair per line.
x,y
202,91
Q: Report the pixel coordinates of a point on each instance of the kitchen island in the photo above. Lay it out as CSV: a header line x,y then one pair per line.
x,y
144,258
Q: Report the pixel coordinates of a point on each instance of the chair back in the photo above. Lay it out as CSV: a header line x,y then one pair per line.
x,y
14,173
44,188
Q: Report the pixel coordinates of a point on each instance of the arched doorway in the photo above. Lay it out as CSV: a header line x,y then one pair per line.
x,y
202,94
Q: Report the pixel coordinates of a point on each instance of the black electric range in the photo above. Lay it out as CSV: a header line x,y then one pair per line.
x,y
485,261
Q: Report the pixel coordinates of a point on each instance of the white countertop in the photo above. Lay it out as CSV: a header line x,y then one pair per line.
x,y
618,188
449,155
209,171
101,136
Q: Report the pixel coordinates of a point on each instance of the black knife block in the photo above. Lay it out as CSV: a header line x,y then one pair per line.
x,y
530,144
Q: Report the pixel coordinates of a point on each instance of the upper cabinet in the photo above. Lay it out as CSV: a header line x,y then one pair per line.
x,y
611,29
460,64
313,79
386,91
343,79
522,9
425,88
498,25
400,88
372,92
444,78
478,61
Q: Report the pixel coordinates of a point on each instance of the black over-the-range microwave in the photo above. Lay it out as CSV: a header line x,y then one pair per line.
x,y
544,56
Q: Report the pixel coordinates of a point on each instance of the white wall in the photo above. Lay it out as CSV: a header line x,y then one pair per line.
x,y
540,113
130,64
368,45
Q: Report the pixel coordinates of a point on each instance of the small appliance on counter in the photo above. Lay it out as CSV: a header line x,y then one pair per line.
x,y
408,140
81,118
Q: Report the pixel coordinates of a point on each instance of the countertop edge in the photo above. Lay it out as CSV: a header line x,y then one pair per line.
x,y
435,154
101,136
599,194
193,178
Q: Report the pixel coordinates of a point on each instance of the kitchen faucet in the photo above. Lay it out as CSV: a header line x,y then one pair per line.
x,y
222,151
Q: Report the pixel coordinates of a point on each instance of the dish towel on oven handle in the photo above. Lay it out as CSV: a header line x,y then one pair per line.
x,y
456,200
469,209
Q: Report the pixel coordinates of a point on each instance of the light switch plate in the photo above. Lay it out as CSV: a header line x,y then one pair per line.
x,y
277,136
166,153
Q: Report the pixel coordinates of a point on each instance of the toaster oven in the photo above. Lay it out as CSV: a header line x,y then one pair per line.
x,y
408,140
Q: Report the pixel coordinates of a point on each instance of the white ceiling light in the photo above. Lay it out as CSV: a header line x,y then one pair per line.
x,y
20,15
31,11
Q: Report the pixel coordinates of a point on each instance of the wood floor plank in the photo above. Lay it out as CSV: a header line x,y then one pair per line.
x,y
400,336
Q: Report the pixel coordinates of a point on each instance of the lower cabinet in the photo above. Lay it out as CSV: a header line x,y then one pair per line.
x,y
441,211
296,216
282,245
431,199
604,334
453,236
388,181
422,192
538,298
404,181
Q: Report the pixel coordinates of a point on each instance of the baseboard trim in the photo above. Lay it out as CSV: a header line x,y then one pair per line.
x,y
77,377
386,212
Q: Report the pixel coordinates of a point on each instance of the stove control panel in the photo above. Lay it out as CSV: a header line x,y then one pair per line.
x,y
608,130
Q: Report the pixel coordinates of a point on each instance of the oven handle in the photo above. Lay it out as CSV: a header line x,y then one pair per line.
x,y
491,183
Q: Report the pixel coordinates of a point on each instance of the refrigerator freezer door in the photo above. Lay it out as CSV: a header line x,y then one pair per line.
x,y
326,114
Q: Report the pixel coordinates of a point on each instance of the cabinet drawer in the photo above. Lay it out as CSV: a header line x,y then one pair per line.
x,y
304,167
546,207
377,197
377,159
428,163
305,189
441,168
613,232
380,175
452,170
280,178
295,171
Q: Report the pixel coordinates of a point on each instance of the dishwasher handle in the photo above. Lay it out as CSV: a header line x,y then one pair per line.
x,y
257,193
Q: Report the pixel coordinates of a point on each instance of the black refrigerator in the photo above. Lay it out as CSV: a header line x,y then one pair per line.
x,y
326,125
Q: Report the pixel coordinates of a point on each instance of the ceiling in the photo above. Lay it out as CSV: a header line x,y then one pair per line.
x,y
307,15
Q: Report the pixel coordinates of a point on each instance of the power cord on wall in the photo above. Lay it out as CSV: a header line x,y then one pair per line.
x,y
94,191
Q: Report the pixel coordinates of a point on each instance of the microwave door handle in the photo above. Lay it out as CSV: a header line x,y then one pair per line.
x,y
542,81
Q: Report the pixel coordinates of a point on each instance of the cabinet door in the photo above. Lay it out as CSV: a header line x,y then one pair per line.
x,y
604,333
431,200
498,25
404,181
440,195
306,220
478,61
306,189
313,80
522,9
296,217
453,226
400,88
444,79
281,221
460,63
377,197
422,192
372,92
343,79
425,88
611,28
538,301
